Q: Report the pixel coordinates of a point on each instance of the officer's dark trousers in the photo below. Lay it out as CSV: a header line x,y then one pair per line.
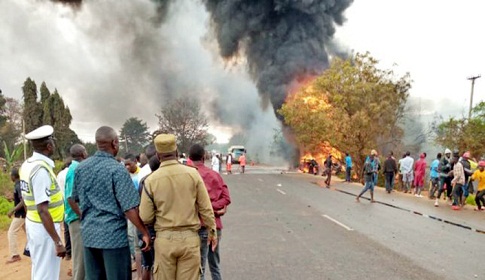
x,y
107,264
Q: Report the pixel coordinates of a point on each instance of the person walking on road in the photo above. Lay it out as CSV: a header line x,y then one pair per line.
x,y
457,182
369,169
45,206
220,199
445,178
78,153
468,172
434,175
242,162
173,199
390,169
479,175
348,167
419,174
215,164
106,197
328,170
229,163
18,221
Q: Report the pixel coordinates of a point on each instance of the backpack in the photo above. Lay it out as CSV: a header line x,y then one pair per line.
x,y
368,168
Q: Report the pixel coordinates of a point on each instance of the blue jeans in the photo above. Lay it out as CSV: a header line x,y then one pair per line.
x,y
347,172
465,190
369,185
213,257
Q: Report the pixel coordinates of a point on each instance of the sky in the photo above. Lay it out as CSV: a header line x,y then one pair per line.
x,y
437,42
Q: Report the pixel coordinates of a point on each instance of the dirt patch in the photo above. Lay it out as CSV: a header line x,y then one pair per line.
x,y
21,269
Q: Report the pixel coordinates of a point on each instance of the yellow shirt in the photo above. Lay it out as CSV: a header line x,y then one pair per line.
x,y
176,197
480,177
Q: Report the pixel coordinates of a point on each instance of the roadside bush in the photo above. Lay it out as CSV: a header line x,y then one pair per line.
x,y
6,185
5,205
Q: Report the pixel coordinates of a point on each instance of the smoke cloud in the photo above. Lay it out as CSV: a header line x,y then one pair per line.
x,y
112,60
284,41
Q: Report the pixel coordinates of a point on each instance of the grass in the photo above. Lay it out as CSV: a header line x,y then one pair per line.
x,y
5,205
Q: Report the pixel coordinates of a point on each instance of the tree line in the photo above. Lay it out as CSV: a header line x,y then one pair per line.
x,y
41,106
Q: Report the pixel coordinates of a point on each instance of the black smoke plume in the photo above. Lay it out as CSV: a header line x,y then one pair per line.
x,y
284,41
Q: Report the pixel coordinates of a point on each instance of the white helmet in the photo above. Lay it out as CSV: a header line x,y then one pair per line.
x,y
447,151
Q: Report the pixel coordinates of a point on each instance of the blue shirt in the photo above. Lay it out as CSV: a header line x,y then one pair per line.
x,y
105,191
348,161
71,216
434,172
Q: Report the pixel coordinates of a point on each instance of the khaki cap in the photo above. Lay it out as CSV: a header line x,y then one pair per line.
x,y
165,143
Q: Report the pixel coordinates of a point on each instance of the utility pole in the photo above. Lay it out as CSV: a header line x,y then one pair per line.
x,y
473,78
24,140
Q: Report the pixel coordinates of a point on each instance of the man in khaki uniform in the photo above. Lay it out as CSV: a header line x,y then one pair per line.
x,y
173,198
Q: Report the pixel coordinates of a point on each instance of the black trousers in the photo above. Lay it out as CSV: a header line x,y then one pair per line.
x,y
107,264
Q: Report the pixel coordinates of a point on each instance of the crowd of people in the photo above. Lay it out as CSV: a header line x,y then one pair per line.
x,y
451,175
148,213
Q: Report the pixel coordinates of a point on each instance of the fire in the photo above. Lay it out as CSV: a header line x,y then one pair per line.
x,y
319,157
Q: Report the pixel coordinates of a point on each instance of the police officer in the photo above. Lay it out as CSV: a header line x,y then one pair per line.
x,y
173,198
45,206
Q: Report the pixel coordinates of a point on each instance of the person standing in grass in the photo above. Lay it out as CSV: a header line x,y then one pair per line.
x,y
479,175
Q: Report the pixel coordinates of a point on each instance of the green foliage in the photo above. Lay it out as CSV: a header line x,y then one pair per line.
x,y
353,105
12,156
5,206
184,118
135,136
462,134
91,148
50,110
32,113
6,185
470,200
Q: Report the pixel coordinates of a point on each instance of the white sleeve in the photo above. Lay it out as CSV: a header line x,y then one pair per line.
x,y
41,183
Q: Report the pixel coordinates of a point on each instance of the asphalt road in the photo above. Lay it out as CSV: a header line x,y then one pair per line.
x,y
285,226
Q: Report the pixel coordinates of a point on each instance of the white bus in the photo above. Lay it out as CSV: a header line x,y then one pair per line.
x,y
236,152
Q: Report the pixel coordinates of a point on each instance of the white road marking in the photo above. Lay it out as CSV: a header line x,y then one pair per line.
x,y
261,180
338,223
280,191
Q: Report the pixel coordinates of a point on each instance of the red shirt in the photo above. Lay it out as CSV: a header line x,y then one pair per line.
x,y
217,189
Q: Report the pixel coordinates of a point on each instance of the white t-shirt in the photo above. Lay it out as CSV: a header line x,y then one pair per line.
x,y
61,179
215,164
406,165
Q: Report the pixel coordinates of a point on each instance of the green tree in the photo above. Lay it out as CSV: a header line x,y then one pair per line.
x,y
184,118
32,113
59,116
134,134
50,110
91,148
462,134
354,106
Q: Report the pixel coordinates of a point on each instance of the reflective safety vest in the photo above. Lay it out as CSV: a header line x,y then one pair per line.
x,y
56,204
